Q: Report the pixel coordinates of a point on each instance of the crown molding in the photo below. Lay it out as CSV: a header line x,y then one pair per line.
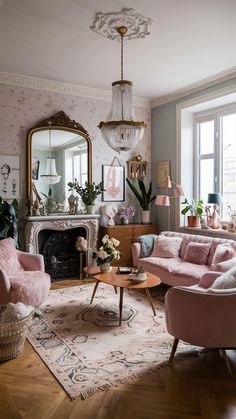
x,y
195,87
64,88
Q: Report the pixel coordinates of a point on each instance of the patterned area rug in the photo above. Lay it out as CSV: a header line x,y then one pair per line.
x,y
83,345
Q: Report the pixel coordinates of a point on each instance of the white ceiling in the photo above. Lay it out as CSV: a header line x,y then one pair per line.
x,y
190,40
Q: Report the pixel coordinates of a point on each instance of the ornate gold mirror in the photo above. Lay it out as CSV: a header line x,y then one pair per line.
x,y
58,151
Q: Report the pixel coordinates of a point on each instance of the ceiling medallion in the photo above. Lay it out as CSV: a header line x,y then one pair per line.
x,y
106,24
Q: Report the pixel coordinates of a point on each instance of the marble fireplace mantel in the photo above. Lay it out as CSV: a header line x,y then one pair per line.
x,y
61,222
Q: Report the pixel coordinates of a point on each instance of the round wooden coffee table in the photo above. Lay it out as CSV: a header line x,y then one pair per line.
x,y
123,281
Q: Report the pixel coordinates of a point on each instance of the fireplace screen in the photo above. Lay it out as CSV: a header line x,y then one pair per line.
x,y
60,256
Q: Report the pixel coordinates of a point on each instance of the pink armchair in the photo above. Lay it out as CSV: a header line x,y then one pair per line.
x,y
22,276
202,317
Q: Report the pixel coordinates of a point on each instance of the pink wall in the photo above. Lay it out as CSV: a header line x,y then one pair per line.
x,y
21,108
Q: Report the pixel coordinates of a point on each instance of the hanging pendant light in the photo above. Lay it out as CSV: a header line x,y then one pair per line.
x,y
120,130
51,177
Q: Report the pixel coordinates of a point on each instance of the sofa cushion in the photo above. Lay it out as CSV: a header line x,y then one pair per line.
x,y
8,256
176,266
223,252
146,241
225,266
226,280
197,253
166,247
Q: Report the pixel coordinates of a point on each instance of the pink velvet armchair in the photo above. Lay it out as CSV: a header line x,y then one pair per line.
x,y
202,317
22,276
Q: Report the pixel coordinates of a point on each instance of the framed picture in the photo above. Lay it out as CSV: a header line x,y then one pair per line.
x,y
35,168
9,176
113,178
162,171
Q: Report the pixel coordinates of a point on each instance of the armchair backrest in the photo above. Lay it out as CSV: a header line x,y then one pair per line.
x,y
9,261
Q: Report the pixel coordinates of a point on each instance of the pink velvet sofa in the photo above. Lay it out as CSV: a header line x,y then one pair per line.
x,y
22,276
175,271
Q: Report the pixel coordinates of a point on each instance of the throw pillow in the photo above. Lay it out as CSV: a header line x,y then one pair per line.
x,y
226,280
167,247
197,253
223,252
225,266
146,241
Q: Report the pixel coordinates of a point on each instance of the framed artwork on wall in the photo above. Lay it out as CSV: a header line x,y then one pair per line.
x,y
113,178
162,171
9,176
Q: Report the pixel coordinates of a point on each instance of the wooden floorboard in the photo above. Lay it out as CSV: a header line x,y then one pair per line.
x,y
197,387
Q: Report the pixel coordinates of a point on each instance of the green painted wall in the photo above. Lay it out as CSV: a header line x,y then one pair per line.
x,y
164,145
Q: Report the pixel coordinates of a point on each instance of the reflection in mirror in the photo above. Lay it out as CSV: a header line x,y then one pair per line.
x,y
59,151
70,151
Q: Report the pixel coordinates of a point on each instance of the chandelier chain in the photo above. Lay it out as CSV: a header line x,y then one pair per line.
x,y
122,56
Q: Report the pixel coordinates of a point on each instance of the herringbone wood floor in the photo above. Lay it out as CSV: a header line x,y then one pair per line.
x,y
199,387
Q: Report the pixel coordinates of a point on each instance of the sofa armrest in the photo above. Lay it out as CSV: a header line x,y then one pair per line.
x,y
31,262
208,279
5,287
136,248
201,318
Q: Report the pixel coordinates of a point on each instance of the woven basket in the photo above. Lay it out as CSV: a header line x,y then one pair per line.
x,y
12,336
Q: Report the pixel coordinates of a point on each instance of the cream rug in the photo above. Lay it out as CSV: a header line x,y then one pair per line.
x,y
83,345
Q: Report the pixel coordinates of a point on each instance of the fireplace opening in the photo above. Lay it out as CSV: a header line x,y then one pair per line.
x,y
60,256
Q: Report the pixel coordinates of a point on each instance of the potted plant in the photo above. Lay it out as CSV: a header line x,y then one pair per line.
x,y
88,194
196,210
107,253
144,197
9,219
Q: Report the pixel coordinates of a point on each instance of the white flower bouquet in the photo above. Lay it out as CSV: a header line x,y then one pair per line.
x,y
107,252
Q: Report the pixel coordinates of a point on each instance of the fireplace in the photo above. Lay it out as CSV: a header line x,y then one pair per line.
x,y
55,237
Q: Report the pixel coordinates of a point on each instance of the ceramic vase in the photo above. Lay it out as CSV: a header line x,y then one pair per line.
x,y
105,267
145,217
90,209
124,221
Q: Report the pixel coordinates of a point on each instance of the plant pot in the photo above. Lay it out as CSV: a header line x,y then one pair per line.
x,y
193,221
105,267
90,209
145,217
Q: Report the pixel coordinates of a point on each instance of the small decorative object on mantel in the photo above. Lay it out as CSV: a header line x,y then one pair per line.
x,y
107,253
137,168
126,214
88,193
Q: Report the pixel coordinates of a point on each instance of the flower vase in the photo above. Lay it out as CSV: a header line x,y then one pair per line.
x,y
105,267
124,221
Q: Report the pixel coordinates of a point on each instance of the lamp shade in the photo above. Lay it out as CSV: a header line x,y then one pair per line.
x,y
162,200
178,191
214,198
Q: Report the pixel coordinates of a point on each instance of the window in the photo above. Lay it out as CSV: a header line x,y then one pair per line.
x,y
215,155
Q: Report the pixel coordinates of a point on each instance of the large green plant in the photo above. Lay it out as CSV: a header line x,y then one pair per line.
x,y
9,219
89,193
144,196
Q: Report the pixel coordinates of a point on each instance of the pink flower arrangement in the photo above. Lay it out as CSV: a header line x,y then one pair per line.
x,y
126,213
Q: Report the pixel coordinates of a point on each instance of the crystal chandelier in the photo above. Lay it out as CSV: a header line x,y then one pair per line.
x,y
120,130
51,177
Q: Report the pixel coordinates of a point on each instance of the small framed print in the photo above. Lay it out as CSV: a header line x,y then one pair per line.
x,y
113,178
162,171
9,176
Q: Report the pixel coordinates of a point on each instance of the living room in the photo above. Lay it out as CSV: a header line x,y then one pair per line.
x,y
57,64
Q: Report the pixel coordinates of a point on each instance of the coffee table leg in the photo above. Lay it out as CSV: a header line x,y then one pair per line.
x,y
94,291
121,304
115,288
150,300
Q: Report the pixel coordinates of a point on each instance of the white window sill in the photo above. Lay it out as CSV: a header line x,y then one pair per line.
x,y
224,234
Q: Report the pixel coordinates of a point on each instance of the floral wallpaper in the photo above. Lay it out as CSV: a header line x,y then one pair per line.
x,y
22,108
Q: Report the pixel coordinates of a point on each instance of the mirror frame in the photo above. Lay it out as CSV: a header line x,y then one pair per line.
x,y
59,121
